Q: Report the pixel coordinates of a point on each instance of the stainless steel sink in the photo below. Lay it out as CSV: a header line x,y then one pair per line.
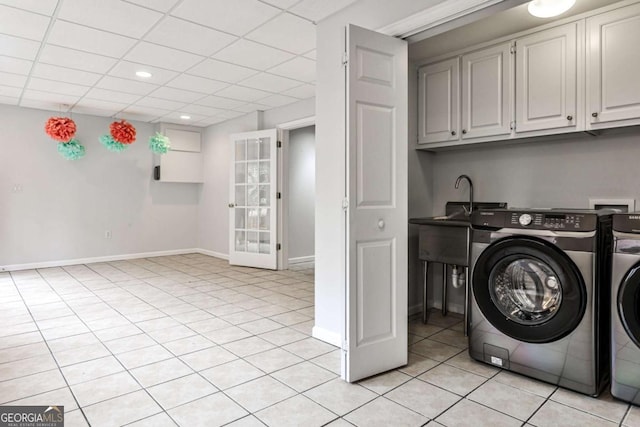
x,y
444,239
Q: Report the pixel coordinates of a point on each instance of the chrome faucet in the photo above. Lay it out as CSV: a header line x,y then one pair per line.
x,y
460,178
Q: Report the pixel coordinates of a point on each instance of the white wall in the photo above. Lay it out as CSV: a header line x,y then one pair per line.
x,y
330,149
301,194
213,226
288,113
65,207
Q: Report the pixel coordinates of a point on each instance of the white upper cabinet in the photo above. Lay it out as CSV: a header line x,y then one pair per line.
x,y
487,92
613,68
438,105
546,80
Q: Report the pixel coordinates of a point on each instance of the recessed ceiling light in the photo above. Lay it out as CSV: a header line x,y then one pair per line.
x,y
185,117
143,74
549,8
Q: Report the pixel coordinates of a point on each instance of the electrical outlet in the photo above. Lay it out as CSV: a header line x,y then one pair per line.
x,y
17,188
107,234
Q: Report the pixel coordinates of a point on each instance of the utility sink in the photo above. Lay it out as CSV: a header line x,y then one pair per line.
x,y
445,238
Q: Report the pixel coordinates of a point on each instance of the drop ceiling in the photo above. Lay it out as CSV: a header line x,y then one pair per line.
x,y
211,60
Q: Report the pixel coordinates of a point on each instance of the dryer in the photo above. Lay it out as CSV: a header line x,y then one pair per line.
x,y
539,294
625,308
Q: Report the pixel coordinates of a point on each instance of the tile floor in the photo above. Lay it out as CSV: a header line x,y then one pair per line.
x,y
188,340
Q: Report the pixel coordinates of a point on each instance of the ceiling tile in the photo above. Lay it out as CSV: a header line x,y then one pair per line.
x,y
8,100
184,35
251,107
277,100
164,104
115,16
57,87
101,105
15,65
45,7
68,75
175,118
51,105
176,94
56,100
18,48
303,92
134,116
286,32
21,23
200,110
219,102
253,55
269,82
206,122
298,68
125,85
127,70
231,114
148,111
197,84
64,57
93,111
222,71
112,96
10,91
235,17
88,39
282,4
310,55
242,93
163,57
159,5
318,10
15,80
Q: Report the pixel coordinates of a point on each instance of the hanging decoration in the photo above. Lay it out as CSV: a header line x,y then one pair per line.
x,y
159,143
63,129
123,132
60,128
111,144
71,150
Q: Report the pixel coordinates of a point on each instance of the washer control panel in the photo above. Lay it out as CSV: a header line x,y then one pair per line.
x,y
551,221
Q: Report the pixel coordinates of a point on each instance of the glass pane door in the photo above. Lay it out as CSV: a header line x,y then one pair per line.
x,y
253,199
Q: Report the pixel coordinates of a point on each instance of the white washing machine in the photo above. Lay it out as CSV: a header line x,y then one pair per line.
x,y
540,296
625,308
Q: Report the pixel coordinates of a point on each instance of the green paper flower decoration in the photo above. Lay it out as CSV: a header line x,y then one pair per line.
x,y
159,143
71,150
111,144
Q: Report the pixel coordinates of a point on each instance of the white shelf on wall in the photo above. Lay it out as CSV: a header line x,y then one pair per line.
x,y
183,162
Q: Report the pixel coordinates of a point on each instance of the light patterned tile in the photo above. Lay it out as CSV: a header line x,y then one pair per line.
x,y
303,376
382,412
248,346
385,382
199,413
104,388
511,401
159,372
260,393
465,410
182,390
417,365
434,350
453,379
423,398
231,374
296,411
339,396
558,415
273,360
309,348
130,408
208,358
91,370
604,406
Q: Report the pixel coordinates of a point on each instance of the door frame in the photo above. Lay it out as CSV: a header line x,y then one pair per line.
x,y
283,185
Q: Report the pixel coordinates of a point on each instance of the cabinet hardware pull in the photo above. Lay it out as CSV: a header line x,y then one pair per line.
x,y
569,118
453,132
594,114
464,131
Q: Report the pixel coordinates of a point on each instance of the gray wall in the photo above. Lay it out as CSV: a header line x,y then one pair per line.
x,y
65,207
302,192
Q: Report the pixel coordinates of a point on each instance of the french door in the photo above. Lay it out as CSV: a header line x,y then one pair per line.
x,y
252,199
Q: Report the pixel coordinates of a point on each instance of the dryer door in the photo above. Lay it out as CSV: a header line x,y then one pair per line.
x,y
529,290
629,303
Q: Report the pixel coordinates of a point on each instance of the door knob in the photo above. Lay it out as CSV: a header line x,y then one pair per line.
x,y
231,205
380,224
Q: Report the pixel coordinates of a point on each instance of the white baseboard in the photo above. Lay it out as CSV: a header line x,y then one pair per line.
x,y
327,336
91,260
212,253
302,259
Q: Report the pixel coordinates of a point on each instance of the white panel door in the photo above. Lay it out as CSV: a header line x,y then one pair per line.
x,y
252,199
613,67
546,79
438,101
376,321
486,92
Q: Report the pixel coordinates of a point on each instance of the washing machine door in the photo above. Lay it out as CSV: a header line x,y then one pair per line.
x,y
629,303
529,289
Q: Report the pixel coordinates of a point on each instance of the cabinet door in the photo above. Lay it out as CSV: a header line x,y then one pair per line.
x,y
486,92
438,103
546,79
613,67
